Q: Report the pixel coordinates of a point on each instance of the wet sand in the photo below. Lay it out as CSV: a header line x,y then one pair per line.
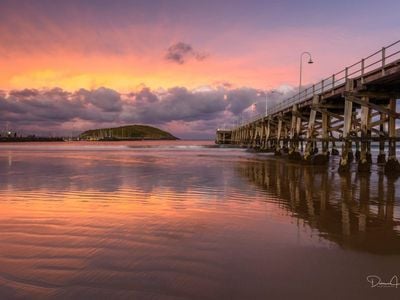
x,y
184,220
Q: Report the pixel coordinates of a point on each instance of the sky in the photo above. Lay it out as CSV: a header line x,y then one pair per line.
x,y
185,66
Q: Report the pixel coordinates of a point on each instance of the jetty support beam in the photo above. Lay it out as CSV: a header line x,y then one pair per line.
x,y
392,165
346,144
364,164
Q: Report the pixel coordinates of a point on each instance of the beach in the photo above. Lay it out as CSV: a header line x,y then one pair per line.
x,y
188,220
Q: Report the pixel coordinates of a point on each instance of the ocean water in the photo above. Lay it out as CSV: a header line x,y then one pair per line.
x,y
188,220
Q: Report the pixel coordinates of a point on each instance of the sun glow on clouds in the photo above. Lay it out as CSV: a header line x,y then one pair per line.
x,y
124,73
227,53
159,54
81,45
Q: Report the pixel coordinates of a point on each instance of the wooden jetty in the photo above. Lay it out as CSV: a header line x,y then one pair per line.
x,y
355,106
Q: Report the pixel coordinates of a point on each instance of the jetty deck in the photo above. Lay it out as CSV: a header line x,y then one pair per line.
x,y
356,105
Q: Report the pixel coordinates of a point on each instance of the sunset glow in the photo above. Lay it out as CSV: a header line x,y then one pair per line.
x,y
129,45
199,149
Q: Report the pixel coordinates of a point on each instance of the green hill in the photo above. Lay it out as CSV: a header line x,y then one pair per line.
x,y
129,132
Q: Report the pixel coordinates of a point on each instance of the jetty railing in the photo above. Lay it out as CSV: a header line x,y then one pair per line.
x,y
379,59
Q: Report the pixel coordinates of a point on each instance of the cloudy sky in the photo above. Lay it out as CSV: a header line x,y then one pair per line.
x,y
185,66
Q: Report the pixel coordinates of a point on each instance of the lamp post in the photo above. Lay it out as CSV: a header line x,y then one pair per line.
x,y
310,61
266,104
266,99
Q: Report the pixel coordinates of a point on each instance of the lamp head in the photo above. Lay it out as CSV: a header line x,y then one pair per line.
x,y
310,61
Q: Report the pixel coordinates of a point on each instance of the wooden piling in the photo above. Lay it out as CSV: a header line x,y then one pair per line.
x,y
360,110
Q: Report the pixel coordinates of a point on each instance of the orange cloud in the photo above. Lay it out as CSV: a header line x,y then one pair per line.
x,y
78,55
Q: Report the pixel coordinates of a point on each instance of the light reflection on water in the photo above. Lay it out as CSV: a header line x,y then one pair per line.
x,y
176,220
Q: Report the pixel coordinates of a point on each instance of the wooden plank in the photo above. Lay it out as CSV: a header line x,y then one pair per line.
x,y
348,113
376,107
313,113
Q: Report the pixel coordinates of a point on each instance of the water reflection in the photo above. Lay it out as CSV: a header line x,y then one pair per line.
x,y
107,172
357,212
193,224
89,224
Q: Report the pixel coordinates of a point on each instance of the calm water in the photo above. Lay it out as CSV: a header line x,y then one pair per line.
x,y
180,220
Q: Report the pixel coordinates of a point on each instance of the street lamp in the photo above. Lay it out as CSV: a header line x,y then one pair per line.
x,y
266,98
310,61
